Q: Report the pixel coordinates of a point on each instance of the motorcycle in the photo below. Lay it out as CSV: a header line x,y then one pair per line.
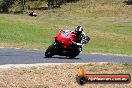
x,y
64,45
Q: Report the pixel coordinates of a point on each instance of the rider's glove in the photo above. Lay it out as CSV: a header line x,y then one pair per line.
x,y
79,44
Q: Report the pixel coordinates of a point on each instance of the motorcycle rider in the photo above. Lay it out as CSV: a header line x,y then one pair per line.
x,y
82,38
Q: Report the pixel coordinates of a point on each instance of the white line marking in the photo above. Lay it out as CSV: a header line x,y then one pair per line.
x,y
41,64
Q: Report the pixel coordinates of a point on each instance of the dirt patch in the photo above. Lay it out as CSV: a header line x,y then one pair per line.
x,y
59,76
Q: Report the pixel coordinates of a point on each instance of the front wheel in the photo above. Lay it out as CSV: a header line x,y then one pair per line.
x,y
73,55
49,51
74,51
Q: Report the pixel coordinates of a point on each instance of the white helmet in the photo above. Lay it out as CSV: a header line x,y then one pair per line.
x,y
78,30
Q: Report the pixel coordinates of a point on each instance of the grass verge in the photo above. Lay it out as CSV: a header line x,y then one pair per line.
x,y
28,32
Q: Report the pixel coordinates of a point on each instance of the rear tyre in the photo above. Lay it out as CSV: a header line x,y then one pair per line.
x,y
49,51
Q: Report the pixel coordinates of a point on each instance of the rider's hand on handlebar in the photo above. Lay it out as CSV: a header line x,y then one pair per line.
x,y
79,44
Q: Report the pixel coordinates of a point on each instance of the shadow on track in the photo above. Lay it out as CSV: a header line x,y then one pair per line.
x,y
61,57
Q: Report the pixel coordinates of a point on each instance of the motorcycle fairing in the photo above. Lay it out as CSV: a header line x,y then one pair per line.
x,y
65,37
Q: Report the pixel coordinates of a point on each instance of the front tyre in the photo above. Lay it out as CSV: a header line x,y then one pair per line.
x,y
73,55
49,51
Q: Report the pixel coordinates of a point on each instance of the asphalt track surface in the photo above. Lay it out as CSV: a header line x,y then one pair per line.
x,y
23,56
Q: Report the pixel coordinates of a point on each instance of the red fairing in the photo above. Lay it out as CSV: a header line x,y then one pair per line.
x,y
65,37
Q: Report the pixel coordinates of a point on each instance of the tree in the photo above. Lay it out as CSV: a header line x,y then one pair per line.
x,y
5,5
23,5
55,3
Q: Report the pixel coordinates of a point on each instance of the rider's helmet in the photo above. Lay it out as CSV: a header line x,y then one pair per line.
x,y
78,30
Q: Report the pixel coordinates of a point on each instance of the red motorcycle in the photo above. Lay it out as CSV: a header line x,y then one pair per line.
x,y
64,45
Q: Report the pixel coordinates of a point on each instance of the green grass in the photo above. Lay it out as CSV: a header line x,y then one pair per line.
x,y
24,34
39,32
